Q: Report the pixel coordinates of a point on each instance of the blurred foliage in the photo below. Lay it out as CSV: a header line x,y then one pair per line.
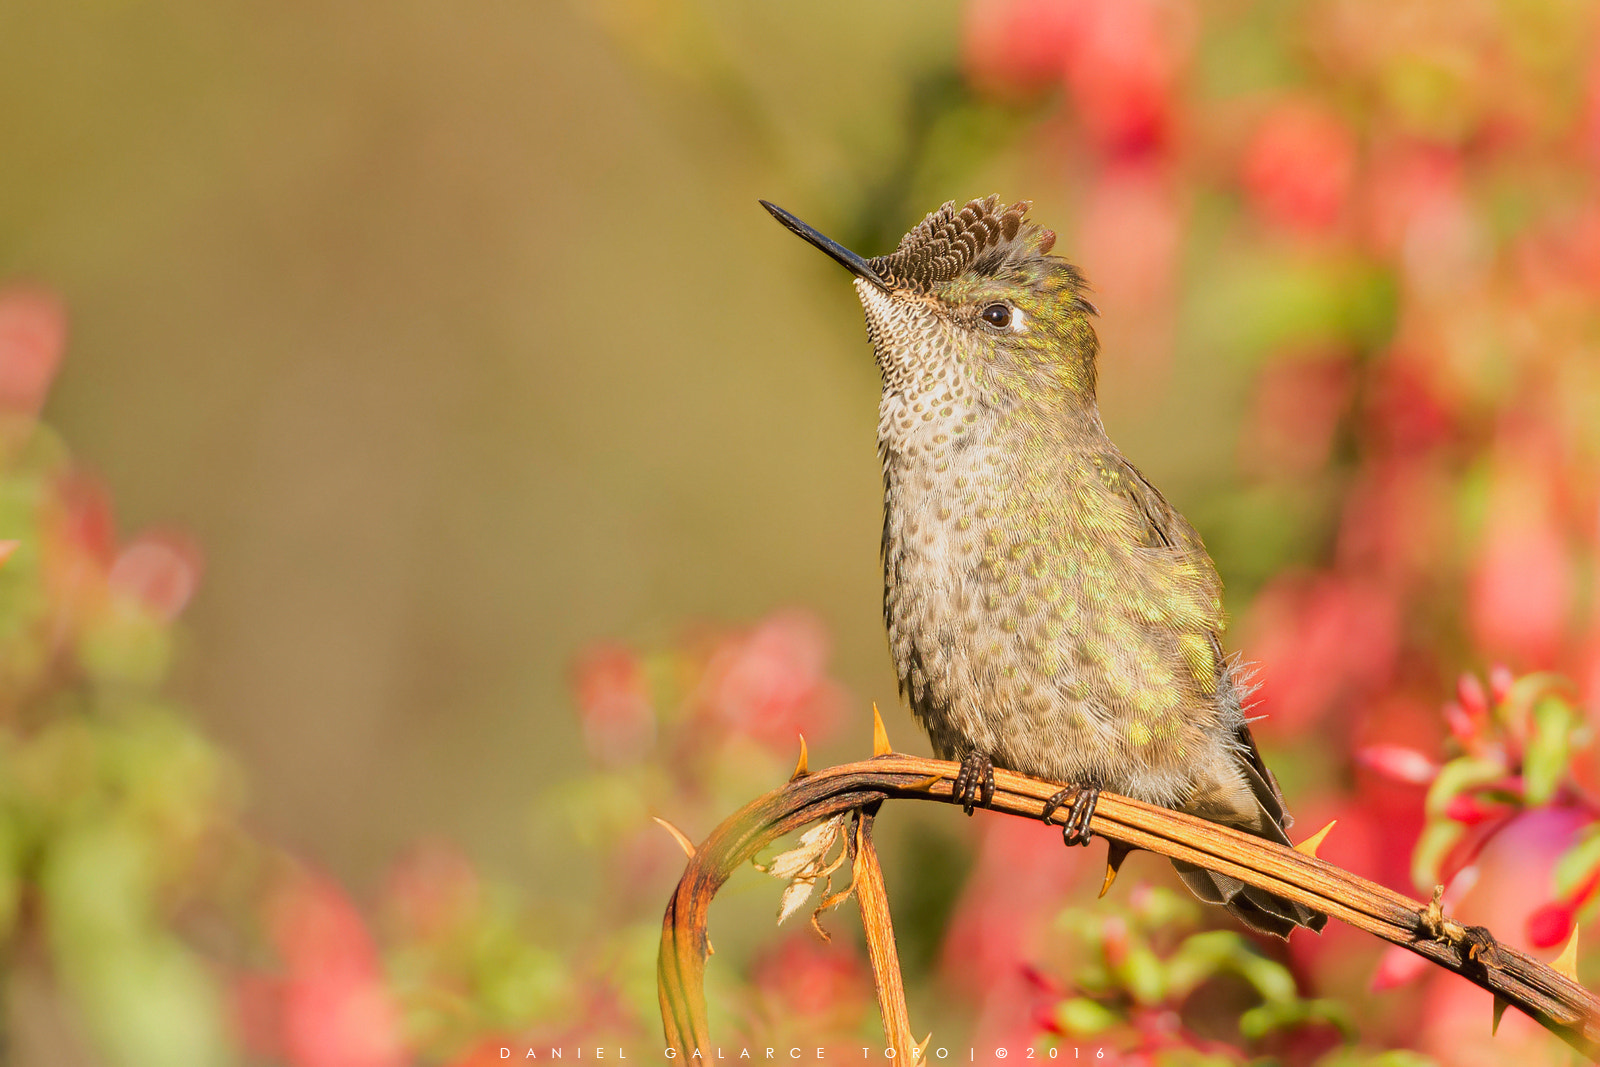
x,y
1153,991
1347,254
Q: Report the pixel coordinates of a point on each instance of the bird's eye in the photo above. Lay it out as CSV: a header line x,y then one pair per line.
x,y
997,315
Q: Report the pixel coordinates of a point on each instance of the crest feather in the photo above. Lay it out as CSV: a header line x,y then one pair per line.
x,y
980,236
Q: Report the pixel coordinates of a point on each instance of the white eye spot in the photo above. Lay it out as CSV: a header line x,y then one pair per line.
x,y
1019,321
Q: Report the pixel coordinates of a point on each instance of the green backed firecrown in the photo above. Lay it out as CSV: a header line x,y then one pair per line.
x,y
1047,609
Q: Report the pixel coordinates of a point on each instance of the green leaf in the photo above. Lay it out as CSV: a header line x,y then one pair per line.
x,y
1142,975
1544,763
144,996
1084,1017
1199,958
1456,777
1287,1014
1160,908
1434,844
1514,711
1577,864
1271,979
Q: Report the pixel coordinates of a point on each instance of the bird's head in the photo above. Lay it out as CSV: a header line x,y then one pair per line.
x,y
975,286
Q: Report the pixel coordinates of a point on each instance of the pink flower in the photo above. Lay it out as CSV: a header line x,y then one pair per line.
x,y
1396,967
1407,412
1552,924
614,701
1471,695
1018,47
1522,581
335,1009
79,544
1298,167
1320,639
1500,682
771,683
1400,763
33,333
159,572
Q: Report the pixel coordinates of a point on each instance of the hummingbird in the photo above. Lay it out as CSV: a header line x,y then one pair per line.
x,y
1048,611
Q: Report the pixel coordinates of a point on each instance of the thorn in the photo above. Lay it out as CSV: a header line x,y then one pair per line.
x,y
801,769
1499,1010
1309,846
923,1048
927,783
880,736
677,835
1567,962
1116,852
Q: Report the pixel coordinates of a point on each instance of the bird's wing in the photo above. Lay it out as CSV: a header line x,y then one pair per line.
x,y
1163,527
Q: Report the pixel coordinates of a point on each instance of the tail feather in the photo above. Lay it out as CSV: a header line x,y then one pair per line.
x,y
1258,909
1262,813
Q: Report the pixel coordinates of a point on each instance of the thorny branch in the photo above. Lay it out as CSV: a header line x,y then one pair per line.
x,y
1553,1000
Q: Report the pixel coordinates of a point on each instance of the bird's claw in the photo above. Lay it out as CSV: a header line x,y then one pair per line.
x,y
975,783
1075,830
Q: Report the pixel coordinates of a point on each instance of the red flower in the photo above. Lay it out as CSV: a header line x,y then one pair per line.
x,y
1118,58
1551,924
1299,166
1121,73
1470,810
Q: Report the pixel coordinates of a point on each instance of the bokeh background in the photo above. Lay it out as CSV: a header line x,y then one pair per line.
x,y
522,474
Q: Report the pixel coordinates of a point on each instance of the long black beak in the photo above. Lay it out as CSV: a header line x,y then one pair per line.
x,y
852,262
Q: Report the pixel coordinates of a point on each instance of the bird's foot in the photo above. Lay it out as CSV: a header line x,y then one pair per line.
x,y
975,783
1075,831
